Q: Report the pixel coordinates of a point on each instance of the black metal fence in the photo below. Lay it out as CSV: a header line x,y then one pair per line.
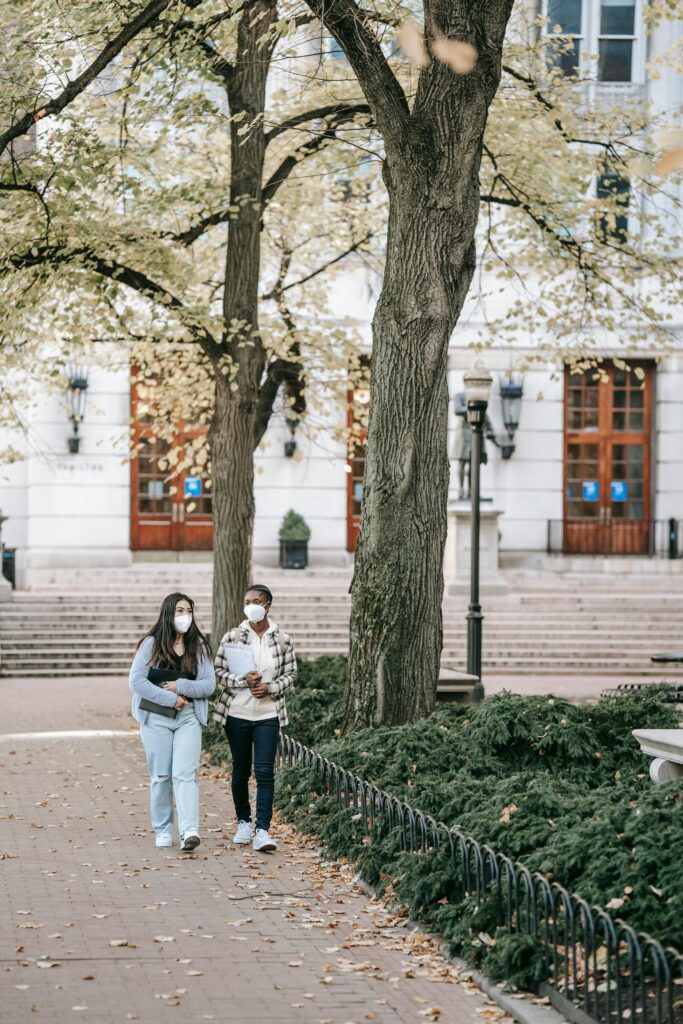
x,y
597,968
656,538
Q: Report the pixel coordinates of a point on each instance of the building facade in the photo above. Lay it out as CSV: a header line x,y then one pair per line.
x,y
597,467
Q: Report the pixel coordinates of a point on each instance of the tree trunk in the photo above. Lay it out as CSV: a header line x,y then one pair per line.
x,y
431,172
396,627
232,459
234,425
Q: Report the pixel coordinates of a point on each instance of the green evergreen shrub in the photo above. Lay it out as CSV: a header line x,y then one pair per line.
x,y
562,788
294,527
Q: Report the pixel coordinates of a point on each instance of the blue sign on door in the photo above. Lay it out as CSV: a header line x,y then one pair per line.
x,y
193,487
591,490
619,490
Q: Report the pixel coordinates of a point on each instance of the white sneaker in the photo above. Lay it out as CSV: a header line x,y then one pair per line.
x,y
262,841
190,842
243,834
164,839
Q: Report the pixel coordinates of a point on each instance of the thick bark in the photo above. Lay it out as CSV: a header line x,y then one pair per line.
x,y
233,430
232,459
431,172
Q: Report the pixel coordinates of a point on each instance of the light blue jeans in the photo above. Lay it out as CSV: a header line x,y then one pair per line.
x,y
173,747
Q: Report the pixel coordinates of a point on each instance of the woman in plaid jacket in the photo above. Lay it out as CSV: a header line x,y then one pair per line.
x,y
252,710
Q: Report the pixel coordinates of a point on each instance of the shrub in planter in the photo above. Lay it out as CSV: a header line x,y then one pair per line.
x,y
294,536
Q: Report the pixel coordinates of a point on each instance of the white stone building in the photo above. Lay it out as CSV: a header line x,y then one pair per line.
x,y
597,468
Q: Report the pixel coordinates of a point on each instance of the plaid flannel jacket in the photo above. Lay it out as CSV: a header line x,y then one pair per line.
x,y
228,684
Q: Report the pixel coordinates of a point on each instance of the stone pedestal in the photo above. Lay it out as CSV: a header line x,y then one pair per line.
x,y
666,747
457,556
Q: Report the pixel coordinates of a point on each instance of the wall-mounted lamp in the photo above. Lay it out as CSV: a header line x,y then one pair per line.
x,y
78,385
290,446
511,391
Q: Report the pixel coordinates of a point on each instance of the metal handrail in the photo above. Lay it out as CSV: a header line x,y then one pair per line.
x,y
597,966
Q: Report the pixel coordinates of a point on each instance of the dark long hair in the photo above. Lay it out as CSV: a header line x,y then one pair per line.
x,y
164,634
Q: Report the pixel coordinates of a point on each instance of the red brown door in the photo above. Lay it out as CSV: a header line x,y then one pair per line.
x,y
358,401
170,511
355,475
607,460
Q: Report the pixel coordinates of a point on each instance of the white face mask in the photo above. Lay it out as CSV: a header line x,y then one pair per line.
x,y
255,612
182,623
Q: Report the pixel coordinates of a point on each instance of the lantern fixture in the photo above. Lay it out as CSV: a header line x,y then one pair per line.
x,y
511,392
290,446
478,383
78,385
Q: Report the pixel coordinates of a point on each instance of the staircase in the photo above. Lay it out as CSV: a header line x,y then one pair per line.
x,y
87,622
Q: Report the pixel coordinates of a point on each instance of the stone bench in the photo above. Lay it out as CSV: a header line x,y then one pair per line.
x,y
666,746
454,686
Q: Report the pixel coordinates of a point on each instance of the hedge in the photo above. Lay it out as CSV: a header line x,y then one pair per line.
x,y
561,787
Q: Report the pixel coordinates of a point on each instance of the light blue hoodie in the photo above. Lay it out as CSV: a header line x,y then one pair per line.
x,y
200,688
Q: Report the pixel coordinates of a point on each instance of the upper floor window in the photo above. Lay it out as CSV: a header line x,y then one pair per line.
x,y
615,43
607,28
565,24
612,186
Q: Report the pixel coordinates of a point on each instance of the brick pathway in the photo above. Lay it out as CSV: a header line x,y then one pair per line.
x,y
100,926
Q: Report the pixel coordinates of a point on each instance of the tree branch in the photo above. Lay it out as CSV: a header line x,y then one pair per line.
x,y
535,90
148,16
349,25
219,65
88,259
306,149
343,112
279,289
349,110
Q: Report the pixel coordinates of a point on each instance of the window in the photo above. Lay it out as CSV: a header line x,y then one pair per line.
x,y
565,15
616,39
607,28
612,186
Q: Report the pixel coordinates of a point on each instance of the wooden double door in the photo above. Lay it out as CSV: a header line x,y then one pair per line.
x,y
170,510
607,461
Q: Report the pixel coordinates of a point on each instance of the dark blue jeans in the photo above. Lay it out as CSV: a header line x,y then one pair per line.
x,y
257,739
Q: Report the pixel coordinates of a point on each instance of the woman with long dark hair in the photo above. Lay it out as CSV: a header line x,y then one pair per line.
x,y
172,678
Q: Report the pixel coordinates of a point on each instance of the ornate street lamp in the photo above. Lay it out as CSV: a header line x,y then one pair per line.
x,y
478,383
511,391
78,385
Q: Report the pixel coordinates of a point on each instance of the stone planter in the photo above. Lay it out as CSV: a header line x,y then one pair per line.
x,y
293,554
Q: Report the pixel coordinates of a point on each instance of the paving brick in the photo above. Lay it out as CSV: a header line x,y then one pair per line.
x,y
225,935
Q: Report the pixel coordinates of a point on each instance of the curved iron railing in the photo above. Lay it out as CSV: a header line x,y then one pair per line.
x,y
597,968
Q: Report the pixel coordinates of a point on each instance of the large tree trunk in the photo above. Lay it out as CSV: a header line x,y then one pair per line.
x,y
431,171
396,629
232,458
234,426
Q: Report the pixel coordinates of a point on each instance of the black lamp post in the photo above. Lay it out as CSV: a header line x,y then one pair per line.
x,y
477,394
511,391
78,385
